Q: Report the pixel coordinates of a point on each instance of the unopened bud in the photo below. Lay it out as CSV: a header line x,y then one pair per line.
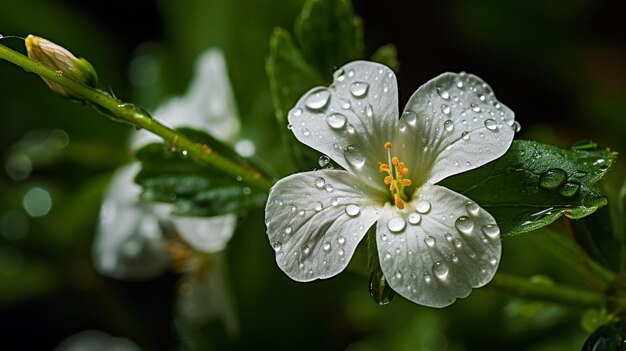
x,y
63,62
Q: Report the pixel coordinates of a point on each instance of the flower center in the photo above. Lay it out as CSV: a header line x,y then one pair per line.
x,y
395,178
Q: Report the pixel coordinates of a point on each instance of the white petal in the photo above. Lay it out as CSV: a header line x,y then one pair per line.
x,y
438,248
456,124
208,105
315,221
206,234
351,120
129,242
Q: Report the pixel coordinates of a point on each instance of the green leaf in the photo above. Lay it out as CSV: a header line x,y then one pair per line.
x,y
194,189
290,77
595,235
388,56
329,34
533,184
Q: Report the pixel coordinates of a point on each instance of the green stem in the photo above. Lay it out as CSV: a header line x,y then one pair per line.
x,y
137,117
541,291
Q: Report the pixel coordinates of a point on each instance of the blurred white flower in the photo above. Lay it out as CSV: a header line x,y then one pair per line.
x,y
434,244
95,340
130,240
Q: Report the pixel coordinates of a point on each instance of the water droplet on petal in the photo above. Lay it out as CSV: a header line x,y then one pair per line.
x,y
459,84
440,270
288,229
341,252
306,132
414,218
493,260
353,156
475,107
277,246
427,278
464,225
345,104
318,206
472,208
326,246
448,125
387,255
296,112
396,224
491,124
448,237
306,250
318,99
334,201
429,241
552,178
369,110
341,240
454,258
409,117
516,127
491,230
328,187
443,93
398,275
359,89
422,207
457,243
323,161
445,109
353,210
465,135
336,120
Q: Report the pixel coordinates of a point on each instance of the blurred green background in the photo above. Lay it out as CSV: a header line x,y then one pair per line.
x,y
560,65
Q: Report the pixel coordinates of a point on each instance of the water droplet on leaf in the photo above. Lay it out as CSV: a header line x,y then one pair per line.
x,y
552,178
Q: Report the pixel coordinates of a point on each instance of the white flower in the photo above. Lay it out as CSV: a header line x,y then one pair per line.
x,y
129,242
434,244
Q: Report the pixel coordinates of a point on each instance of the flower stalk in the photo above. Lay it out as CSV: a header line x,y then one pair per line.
x,y
135,116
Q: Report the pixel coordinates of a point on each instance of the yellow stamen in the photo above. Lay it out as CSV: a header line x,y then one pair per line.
x,y
396,170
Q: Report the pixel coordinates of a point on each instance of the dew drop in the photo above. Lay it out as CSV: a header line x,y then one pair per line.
x,y
296,112
445,109
491,230
353,210
323,161
516,127
398,275
359,89
341,240
443,93
491,124
326,246
472,208
306,132
369,111
341,252
457,243
427,278
440,270
465,135
448,125
318,206
569,189
306,250
301,213
350,129
459,84
454,258
328,187
493,260
387,255
409,117
414,218
334,201
288,229
345,104
396,224
475,107
552,178
336,120
464,225
448,237
318,99
423,207
353,156
429,241
277,246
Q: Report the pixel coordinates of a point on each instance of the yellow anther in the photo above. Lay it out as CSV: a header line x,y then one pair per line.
x,y
403,171
395,161
392,186
398,201
388,180
387,145
400,166
406,182
384,168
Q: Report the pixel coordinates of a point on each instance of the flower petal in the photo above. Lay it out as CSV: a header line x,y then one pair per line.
x,y
351,120
129,240
315,221
457,124
206,234
208,105
438,249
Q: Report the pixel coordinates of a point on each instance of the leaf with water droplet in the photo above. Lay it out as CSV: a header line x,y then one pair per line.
x,y
525,192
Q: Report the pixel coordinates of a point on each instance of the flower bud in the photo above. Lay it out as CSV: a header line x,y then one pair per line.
x,y
64,62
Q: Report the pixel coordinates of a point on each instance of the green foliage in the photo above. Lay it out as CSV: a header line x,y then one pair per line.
x,y
533,184
388,56
195,189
